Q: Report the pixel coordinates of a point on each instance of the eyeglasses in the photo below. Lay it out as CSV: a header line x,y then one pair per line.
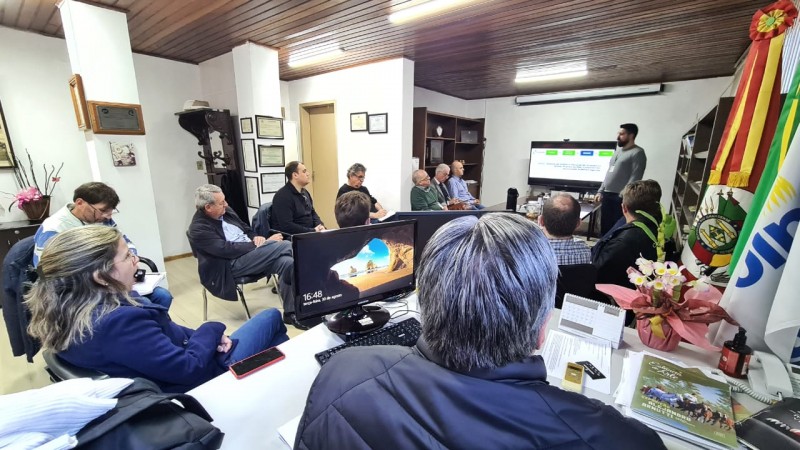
x,y
104,212
128,256
360,177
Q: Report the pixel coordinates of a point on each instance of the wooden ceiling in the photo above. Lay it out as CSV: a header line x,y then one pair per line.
x,y
473,51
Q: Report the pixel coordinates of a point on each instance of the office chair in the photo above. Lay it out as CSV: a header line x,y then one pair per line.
x,y
60,370
240,282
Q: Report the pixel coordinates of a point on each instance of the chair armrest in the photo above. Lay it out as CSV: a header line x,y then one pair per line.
x,y
149,263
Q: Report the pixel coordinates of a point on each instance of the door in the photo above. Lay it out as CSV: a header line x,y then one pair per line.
x,y
320,156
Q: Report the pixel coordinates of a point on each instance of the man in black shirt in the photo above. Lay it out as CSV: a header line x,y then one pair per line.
x,y
355,182
292,208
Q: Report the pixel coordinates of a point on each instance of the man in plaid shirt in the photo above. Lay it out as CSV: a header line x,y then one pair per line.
x,y
560,216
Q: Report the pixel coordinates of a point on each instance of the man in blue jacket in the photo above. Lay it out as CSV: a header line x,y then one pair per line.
x,y
486,290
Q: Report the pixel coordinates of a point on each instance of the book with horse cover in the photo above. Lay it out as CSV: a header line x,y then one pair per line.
x,y
685,399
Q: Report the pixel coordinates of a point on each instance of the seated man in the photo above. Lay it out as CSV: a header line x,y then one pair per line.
x,y
352,209
226,248
472,380
292,208
423,196
561,215
355,182
458,187
93,203
615,252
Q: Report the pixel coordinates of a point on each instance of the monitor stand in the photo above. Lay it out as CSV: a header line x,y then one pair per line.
x,y
358,320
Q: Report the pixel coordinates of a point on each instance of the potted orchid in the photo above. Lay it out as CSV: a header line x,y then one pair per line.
x,y
663,315
31,198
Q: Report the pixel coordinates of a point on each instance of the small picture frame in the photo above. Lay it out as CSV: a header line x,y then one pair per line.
x,y
269,127
378,123
358,121
122,154
271,156
271,182
249,155
246,125
79,101
6,150
251,188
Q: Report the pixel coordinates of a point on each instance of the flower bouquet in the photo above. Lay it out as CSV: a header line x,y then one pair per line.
x,y
663,318
30,193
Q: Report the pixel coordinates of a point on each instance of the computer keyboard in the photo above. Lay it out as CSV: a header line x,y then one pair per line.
x,y
406,332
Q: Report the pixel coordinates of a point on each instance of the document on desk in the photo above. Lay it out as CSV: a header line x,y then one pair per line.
x,y
288,431
561,348
151,280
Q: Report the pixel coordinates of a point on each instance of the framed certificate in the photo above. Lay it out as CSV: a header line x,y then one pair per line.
x,y
378,123
271,156
269,127
246,125
271,182
249,155
358,121
253,196
115,118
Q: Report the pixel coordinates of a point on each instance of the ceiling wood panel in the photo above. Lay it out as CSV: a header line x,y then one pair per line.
x,y
471,52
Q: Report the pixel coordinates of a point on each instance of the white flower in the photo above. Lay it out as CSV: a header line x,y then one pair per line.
x,y
659,268
658,284
637,278
645,266
671,267
702,284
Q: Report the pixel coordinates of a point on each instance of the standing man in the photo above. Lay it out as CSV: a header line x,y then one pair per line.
x,y
458,187
423,196
626,166
92,203
292,208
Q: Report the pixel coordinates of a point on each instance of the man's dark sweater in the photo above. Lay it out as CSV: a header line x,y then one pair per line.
x,y
293,212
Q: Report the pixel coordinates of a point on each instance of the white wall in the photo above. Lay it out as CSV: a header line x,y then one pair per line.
x,y
39,114
662,121
384,87
218,83
172,150
445,104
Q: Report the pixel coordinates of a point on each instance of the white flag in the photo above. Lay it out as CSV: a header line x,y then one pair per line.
x,y
751,296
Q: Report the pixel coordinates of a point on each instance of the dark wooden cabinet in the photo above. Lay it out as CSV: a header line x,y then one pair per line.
x,y
442,138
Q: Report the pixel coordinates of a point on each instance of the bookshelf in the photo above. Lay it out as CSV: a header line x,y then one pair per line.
x,y
461,138
697,151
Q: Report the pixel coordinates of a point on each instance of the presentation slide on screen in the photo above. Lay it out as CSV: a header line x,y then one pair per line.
x,y
570,164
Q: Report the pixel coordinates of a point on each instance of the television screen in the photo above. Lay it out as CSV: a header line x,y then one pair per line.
x,y
340,269
569,164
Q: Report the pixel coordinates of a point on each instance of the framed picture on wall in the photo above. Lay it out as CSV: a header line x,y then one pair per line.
x,y
79,101
271,156
253,196
246,125
358,121
271,182
249,155
269,127
378,123
6,151
115,118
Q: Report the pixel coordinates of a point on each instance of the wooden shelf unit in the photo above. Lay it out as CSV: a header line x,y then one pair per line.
x,y
694,166
425,125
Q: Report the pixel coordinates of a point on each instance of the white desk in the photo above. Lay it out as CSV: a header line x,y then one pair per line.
x,y
249,411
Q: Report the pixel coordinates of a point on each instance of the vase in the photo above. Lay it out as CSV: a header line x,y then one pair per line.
x,y
37,210
668,343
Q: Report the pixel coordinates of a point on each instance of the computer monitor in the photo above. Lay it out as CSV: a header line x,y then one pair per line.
x,y
339,271
570,164
430,221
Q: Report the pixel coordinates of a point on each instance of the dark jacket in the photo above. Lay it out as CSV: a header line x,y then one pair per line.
x,y
399,398
619,250
442,188
142,341
214,253
15,314
293,212
363,189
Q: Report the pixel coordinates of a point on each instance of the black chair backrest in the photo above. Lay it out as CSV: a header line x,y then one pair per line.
x,y
261,220
578,279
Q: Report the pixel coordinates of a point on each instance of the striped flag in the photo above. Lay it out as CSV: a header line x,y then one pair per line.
x,y
762,294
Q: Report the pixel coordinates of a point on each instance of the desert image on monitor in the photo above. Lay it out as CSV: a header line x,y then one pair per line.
x,y
377,264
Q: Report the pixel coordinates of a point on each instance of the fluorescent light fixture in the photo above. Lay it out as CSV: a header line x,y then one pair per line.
x,y
424,9
560,72
315,54
590,94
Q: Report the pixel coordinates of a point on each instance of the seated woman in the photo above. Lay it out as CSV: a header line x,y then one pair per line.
x,y
81,309
355,182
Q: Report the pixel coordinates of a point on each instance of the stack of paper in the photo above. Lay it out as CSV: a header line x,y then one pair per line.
x,y
561,348
151,280
689,403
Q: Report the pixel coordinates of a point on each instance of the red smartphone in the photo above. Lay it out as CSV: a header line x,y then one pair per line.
x,y
245,367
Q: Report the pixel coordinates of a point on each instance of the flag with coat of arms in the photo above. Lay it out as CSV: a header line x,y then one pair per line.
x,y
762,294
